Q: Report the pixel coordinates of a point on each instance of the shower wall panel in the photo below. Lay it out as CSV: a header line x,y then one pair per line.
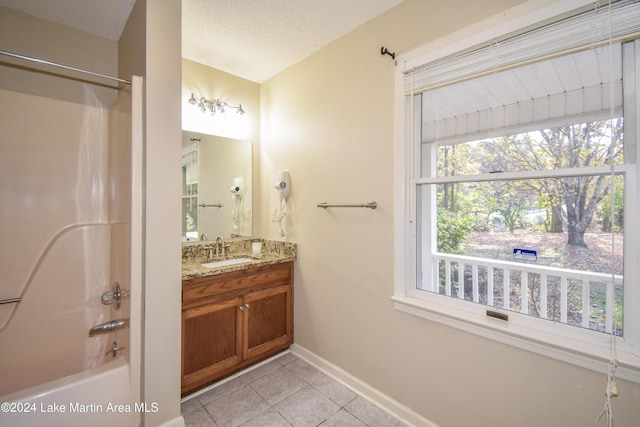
x,y
56,237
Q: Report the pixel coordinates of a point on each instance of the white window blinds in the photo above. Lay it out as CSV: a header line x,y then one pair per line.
x,y
562,73
582,31
567,89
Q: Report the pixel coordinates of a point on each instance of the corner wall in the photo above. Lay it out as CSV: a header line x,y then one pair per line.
x,y
163,146
151,47
329,120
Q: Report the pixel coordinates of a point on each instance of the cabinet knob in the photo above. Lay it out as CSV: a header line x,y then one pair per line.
x,y
241,308
246,305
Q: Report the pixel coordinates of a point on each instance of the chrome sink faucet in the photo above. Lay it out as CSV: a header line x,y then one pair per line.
x,y
219,249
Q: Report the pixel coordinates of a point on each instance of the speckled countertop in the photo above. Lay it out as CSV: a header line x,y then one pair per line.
x,y
195,254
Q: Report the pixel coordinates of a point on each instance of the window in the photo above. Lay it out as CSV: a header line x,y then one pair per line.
x,y
190,193
519,172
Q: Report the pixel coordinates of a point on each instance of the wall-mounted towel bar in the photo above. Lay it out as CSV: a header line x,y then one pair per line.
x,y
214,205
370,205
10,300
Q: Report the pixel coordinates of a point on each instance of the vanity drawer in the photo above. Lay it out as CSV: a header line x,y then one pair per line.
x,y
241,281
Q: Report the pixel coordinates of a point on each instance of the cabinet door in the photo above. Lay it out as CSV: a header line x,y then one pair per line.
x,y
269,320
211,341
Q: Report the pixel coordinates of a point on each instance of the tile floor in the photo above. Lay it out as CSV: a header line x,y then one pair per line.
x,y
285,391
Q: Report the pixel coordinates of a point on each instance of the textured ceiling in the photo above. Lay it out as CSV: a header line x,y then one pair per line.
x,y
253,39
256,39
104,18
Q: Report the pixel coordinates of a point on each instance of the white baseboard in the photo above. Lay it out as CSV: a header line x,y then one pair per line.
x,y
375,396
175,422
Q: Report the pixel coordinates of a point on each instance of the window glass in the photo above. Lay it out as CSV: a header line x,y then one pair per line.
x,y
190,193
547,240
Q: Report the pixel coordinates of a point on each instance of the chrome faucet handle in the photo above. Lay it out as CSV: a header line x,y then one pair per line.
x,y
116,295
114,349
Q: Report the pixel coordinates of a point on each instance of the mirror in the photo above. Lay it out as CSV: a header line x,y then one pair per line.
x,y
216,187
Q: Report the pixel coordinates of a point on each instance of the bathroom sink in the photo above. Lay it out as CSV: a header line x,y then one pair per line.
x,y
226,262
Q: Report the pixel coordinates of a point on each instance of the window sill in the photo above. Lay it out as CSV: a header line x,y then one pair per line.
x,y
589,355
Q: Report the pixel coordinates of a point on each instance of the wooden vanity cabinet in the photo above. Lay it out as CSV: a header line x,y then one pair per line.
x,y
233,320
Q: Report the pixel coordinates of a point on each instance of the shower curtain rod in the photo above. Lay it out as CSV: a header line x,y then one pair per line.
x,y
66,67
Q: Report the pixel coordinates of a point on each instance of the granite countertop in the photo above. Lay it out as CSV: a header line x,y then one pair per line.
x,y
196,254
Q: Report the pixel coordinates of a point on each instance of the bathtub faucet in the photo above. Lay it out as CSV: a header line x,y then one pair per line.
x,y
107,327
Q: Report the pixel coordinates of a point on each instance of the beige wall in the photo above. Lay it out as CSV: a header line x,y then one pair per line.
x,y
202,80
131,46
150,46
162,285
25,35
329,120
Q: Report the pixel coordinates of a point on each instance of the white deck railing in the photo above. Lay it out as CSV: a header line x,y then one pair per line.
x,y
547,292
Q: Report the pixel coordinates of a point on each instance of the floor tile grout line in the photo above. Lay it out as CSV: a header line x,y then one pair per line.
x,y
223,381
248,383
309,383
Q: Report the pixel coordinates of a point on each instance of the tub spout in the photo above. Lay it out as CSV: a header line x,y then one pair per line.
x,y
107,327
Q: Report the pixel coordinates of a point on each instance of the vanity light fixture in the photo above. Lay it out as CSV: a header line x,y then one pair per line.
x,y
213,105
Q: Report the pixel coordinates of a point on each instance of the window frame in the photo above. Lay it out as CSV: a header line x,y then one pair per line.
x,y
581,347
190,156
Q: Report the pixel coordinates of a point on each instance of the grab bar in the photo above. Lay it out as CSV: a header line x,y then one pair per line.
x,y
107,327
36,269
214,205
370,205
10,300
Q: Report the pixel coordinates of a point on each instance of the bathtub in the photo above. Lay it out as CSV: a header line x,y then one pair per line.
x,y
96,398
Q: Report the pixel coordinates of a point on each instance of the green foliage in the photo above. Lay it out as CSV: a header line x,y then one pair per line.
x,y
570,202
604,214
189,222
511,200
452,231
